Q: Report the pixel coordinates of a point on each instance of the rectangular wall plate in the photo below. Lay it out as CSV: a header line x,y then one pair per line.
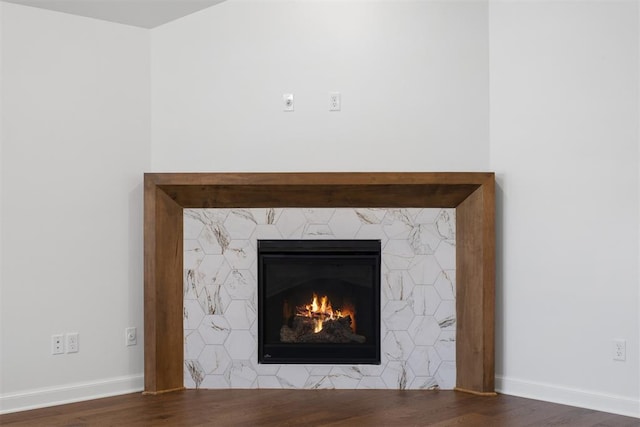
x,y
619,350
130,336
287,101
73,344
335,101
57,344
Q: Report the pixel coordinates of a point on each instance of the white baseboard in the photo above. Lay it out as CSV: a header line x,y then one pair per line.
x,y
69,393
41,398
621,405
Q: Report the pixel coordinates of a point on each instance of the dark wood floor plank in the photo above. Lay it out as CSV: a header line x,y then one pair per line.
x,y
335,408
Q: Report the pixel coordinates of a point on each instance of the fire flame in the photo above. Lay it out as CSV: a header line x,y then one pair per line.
x,y
320,310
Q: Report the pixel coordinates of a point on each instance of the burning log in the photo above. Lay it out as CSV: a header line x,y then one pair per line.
x,y
318,322
336,331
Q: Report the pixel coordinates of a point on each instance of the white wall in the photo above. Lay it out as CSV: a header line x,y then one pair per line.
x,y
75,104
564,136
413,77
1,194
564,145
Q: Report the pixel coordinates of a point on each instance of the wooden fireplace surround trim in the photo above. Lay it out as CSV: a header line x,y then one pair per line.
x,y
472,194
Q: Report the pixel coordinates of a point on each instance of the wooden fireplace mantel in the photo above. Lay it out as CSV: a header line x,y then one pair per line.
x,y
472,194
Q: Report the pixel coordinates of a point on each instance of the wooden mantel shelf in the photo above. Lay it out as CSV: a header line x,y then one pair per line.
x,y
472,194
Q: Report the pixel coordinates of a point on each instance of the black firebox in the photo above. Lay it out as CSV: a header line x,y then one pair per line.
x,y
319,301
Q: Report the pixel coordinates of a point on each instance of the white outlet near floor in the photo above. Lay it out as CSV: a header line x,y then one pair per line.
x,y
57,344
131,336
619,350
334,101
73,343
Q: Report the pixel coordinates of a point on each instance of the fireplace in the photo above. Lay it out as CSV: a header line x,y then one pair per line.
x,y
319,301
472,195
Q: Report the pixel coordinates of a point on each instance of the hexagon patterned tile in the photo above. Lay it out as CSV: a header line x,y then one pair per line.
x,y
417,296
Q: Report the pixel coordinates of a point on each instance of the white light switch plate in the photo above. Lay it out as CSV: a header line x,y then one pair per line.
x,y
287,101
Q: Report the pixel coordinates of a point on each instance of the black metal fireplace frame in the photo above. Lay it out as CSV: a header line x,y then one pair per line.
x,y
295,353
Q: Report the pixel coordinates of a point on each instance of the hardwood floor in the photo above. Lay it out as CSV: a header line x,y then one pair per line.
x,y
314,408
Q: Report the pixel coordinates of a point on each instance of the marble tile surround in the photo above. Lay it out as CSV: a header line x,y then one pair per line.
x,y
417,296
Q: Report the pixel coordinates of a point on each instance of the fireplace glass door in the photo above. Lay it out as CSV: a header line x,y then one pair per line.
x,y
319,301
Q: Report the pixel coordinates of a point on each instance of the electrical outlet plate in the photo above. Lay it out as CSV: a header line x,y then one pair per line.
x,y
57,344
287,101
73,343
334,101
130,336
619,350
